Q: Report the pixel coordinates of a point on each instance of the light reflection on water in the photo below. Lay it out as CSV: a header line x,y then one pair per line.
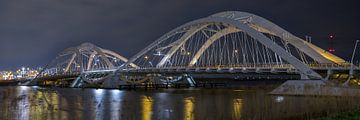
x,y
189,108
28,103
115,106
99,107
237,109
147,103
23,106
279,98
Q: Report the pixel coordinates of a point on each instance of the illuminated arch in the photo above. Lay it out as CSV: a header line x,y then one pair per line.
x,y
250,24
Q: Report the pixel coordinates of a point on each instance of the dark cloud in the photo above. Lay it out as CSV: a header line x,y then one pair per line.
x,y
32,32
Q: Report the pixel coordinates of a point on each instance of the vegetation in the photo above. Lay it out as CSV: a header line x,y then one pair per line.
x,y
350,115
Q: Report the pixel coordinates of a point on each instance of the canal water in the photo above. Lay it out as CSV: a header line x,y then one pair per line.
x,y
36,103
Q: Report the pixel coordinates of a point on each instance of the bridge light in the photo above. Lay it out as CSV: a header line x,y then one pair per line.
x,y
146,57
188,53
236,51
158,53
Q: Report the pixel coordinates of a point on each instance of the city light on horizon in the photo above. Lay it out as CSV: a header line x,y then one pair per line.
x,y
21,73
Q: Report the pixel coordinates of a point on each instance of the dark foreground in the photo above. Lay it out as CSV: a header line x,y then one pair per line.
x,y
349,115
38,103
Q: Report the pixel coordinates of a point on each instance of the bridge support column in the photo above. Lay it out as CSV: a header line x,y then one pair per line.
x,y
113,81
78,82
329,73
189,79
304,76
351,73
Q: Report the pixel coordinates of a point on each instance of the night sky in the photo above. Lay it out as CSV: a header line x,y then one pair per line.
x,y
33,32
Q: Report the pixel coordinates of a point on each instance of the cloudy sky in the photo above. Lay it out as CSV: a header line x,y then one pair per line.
x,y
32,32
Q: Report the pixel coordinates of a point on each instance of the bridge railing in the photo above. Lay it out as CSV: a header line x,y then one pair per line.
x,y
239,66
58,74
256,66
246,66
332,65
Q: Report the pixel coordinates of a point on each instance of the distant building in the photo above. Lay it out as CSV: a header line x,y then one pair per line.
x,y
22,73
6,75
26,73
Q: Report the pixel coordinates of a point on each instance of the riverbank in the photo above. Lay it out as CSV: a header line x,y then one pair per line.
x,y
314,88
350,115
8,82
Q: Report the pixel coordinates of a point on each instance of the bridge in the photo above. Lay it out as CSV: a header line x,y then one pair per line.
x,y
76,61
226,43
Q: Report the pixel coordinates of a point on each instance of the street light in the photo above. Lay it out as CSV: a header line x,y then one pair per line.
x,y
353,54
352,63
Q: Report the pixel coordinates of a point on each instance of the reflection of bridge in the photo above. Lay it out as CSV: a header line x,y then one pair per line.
x,y
226,43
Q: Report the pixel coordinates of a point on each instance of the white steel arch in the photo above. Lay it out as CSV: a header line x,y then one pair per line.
x,y
303,69
180,42
252,25
257,22
85,57
118,56
80,60
211,40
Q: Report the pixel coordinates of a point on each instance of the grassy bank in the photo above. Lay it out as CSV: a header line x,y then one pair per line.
x,y
350,115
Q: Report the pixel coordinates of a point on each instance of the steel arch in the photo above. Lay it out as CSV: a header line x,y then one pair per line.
x,y
254,26
260,23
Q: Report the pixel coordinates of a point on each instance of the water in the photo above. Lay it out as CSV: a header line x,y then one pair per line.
x,y
36,103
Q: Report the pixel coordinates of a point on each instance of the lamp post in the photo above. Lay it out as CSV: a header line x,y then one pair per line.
x,y
353,54
352,63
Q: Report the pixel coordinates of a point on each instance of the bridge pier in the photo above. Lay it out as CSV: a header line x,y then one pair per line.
x,y
328,74
304,77
190,80
351,75
77,82
113,81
